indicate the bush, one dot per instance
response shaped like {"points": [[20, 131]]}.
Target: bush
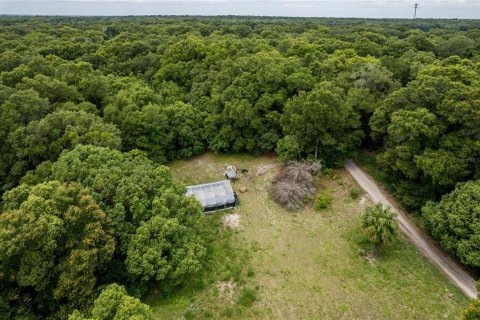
{"points": [[472, 312], [323, 201], [247, 297], [355, 193], [329, 173]]}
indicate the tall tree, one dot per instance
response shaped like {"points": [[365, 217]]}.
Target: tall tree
{"points": [[454, 222], [430, 130], [114, 303], [322, 124], [55, 241], [45, 139], [17, 108], [155, 224]]}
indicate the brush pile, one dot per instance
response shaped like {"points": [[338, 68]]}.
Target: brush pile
{"points": [[293, 186]]}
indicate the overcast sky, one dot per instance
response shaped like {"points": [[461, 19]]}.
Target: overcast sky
{"points": [[463, 9]]}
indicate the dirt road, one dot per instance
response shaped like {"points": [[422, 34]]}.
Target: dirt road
{"points": [[419, 239]]}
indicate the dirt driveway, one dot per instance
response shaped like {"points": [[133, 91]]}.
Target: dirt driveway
{"points": [[419, 239]]}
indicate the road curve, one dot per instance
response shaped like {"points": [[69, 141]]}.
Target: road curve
{"points": [[420, 240]]}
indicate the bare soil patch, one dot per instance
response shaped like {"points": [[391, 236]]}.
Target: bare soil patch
{"points": [[231, 221]]}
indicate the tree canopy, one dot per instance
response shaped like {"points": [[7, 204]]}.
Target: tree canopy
{"points": [[430, 130], [134, 225], [92, 108], [454, 222], [55, 241], [114, 303], [322, 124]]}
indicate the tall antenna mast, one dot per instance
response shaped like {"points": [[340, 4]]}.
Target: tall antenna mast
{"points": [[415, 14]]}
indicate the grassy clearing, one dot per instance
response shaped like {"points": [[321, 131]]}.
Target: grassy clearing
{"points": [[301, 265]]}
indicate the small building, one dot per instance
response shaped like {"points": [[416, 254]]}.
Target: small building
{"points": [[214, 196]]}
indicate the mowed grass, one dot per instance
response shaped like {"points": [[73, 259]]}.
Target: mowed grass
{"points": [[301, 265]]}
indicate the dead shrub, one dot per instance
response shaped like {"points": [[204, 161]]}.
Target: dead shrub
{"points": [[293, 186]]}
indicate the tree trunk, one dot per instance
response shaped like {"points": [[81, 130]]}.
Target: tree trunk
{"points": [[316, 149], [376, 249]]}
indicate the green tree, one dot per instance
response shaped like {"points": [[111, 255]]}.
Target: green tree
{"points": [[55, 241], [420, 41], [156, 225], [45, 139], [380, 226], [17, 108], [36, 65], [114, 303], [322, 123], [9, 60], [408, 134], [163, 248], [429, 130], [144, 124], [187, 133], [54, 90], [454, 222], [472, 312], [458, 45], [288, 148], [248, 100]]}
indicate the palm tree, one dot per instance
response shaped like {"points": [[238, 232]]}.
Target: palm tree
{"points": [[380, 226]]}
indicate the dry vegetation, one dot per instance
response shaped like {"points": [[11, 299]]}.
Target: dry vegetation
{"points": [[293, 186]]}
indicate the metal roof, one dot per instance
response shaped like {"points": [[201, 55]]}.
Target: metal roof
{"points": [[213, 194]]}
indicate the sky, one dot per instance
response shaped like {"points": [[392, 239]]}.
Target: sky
{"points": [[462, 9]]}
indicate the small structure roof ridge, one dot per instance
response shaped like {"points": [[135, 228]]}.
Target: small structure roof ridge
{"points": [[209, 183]]}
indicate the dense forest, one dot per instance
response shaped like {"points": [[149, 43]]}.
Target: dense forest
{"points": [[92, 109]]}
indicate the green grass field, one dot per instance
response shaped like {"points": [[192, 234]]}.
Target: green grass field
{"points": [[301, 265]]}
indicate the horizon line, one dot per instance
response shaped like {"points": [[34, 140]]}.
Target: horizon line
{"points": [[219, 15]]}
